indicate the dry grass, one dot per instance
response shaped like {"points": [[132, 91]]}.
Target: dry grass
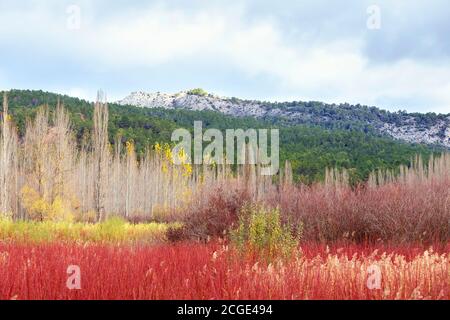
{"points": [[112, 231]]}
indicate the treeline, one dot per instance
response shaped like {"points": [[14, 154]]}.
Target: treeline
{"points": [[345, 115], [345, 144]]}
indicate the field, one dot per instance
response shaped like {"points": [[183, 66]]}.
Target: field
{"points": [[213, 271], [99, 221]]}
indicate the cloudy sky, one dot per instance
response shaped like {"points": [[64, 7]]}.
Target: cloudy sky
{"points": [[393, 54]]}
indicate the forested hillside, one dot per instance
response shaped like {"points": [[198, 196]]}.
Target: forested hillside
{"points": [[429, 128], [310, 148]]}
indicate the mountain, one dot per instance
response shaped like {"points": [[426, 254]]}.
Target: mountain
{"points": [[427, 128]]}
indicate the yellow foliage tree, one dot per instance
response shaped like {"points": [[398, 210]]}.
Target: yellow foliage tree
{"points": [[42, 210]]}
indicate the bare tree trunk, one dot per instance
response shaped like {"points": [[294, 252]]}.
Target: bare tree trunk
{"points": [[101, 155], [8, 147], [64, 153], [131, 166]]}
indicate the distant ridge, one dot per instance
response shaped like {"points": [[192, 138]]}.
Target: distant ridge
{"points": [[427, 128]]}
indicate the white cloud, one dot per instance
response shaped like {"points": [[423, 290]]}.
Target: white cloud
{"points": [[79, 92], [337, 71], [402, 81]]}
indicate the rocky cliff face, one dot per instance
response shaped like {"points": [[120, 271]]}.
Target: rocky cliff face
{"points": [[418, 128]]}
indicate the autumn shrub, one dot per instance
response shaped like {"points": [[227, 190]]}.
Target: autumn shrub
{"points": [[40, 209], [261, 231], [175, 234], [213, 210], [413, 207]]}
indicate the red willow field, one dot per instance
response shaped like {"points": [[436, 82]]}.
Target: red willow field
{"points": [[213, 271]]}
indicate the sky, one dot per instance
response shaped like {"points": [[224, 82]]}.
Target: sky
{"points": [[393, 54]]}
